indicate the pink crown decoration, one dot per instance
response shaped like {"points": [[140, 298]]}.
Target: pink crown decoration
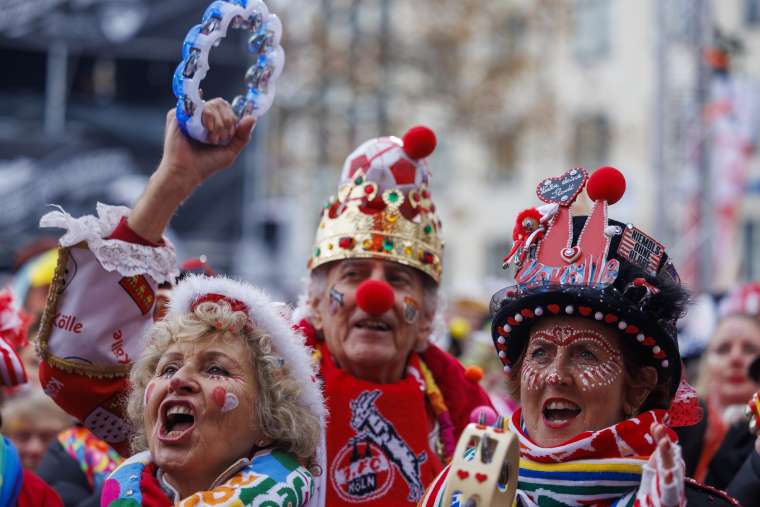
{"points": [[544, 252], [383, 208]]}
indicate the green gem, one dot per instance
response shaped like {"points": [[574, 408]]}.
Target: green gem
{"points": [[358, 180], [393, 197], [388, 245], [428, 229], [317, 251]]}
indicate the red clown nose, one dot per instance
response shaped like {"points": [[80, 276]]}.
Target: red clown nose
{"points": [[375, 297]]}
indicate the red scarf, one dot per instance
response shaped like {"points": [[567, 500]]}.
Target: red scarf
{"points": [[378, 450]]}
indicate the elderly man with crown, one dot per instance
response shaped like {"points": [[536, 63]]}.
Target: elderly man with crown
{"points": [[397, 402], [588, 342]]}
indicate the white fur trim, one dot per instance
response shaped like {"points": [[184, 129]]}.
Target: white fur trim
{"points": [[127, 259], [287, 343]]}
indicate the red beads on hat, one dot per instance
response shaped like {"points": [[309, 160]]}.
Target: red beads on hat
{"points": [[606, 184], [375, 297], [419, 142]]}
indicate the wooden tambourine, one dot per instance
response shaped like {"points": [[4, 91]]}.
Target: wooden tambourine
{"points": [[484, 467]]}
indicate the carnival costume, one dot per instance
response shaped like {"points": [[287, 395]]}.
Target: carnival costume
{"points": [[386, 442], [99, 310], [615, 274]]}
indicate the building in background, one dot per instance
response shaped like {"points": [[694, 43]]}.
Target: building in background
{"points": [[516, 90]]}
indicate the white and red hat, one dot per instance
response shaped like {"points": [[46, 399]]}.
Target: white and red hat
{"points": [[14, 324]]}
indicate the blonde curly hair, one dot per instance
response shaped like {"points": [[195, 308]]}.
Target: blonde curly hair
{"points": [[279, 413]]}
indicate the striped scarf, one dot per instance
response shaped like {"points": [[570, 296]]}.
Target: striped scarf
{"points": [[95, 457], [594, 469]]}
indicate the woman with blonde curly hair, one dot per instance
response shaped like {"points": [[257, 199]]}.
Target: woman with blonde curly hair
{"points": [[217, 402]]}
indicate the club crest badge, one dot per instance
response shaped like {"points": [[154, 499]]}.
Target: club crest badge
{"points": [[368, 464]]}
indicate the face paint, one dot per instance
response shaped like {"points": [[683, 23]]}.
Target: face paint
{"points": [[219, 394], [410, 310], [336, 300], [531, 378], [148, 392], [230, 402], [593, 362], [224, 400]]}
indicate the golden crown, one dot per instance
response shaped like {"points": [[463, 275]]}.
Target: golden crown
{"points": [[383, 208]]}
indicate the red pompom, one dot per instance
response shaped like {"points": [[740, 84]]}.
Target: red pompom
{"points": [[375, 297], [419, 142], [473, 373], [606, 184]]}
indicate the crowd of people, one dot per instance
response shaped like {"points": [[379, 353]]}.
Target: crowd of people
{"points": [[143, 387]]}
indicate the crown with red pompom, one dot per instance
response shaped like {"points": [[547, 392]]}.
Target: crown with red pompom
{"points": [[590, 267], [383, 208]]}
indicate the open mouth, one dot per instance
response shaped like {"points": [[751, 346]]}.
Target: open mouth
{"points": [[558, 412], [177, 420], [373, 325]]}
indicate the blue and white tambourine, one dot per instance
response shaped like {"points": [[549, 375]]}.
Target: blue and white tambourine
{"points": [[264, 44]]}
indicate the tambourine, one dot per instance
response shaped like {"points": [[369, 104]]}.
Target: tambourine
{"points": [[485, 466], [264, 45]]}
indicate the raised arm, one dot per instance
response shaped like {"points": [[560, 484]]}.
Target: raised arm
{"points": [[101, 300]]}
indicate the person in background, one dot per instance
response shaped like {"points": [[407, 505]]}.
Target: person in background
{"points": [[32, 421], [743, 440], [397, 402], [19, 486], [723, 379]]}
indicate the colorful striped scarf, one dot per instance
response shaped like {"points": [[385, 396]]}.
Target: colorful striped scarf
{"points": [[95, 457], [600, 469], [272, 479]]}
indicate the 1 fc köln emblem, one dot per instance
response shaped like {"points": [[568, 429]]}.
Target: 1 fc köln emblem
{"points": [[366, 467]]}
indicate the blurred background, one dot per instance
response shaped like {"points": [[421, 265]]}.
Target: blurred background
{"points": [[515, 89]]}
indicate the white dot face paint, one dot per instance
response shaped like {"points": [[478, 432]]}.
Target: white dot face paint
{"points": [[564, 355], [231, 402]]}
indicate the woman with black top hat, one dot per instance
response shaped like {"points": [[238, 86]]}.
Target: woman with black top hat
{"points": [[587, 339]]}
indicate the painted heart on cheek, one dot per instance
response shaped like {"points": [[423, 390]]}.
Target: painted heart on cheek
{"points": [[224, 400], [230, 402]]}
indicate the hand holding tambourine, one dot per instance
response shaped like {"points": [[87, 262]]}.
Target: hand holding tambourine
{"points": [[485, 466], [264, 45]]}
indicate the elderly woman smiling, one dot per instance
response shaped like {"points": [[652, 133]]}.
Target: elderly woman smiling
{"points": [[587, 339], [218, 399]]}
